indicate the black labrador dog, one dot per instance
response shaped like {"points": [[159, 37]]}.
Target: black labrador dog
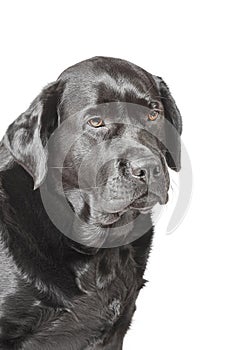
{"points": [[93, 150]]}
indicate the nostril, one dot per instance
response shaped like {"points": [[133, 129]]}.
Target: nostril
{"points": [[138, 172], [157, 170]]}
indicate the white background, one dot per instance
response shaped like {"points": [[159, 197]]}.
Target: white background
{"points": [[188, 303]]}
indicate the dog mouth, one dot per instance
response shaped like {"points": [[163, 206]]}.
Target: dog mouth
{"points": [[145, 202], [139, 206], [123, 209]]}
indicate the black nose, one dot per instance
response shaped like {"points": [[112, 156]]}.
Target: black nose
{"points": [[144, 168]]}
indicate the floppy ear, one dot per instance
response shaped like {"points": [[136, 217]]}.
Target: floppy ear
{"points": [[26, 138], [173, 128]]}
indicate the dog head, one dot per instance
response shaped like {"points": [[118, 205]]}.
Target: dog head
{"points": [[126, 133]]}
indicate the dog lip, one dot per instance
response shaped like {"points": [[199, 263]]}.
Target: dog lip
{"points": [[112, 217], [141, 208], [145, 201], [144, 210]]}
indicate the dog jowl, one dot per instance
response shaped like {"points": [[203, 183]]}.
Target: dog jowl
{"points": [[80, 171]]}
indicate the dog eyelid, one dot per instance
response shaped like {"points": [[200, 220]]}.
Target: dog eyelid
{"points": [[96, 122], [153, 115], [156, 105]]}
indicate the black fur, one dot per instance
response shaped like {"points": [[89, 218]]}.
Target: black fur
{"points": [[57, 293]]}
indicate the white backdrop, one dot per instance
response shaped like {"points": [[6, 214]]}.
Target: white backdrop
{"points": [[188, 303]]}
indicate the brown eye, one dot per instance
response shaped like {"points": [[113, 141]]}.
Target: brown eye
{"points": [[96, 122], [153, 115]]}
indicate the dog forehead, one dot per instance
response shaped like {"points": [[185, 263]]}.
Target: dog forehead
{"points": [[101, 66], [102, 79]]}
